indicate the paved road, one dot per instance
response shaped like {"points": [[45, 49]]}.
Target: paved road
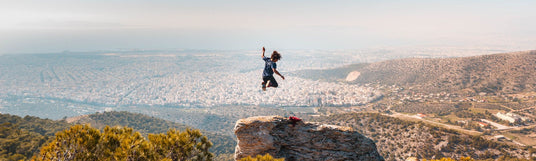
{"points": [[499, 126], [521, 127]]}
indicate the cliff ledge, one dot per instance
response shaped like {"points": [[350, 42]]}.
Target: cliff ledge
{"points": [[281, 138]]}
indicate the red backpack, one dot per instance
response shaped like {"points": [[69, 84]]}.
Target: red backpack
{"points": [[294, 120]]}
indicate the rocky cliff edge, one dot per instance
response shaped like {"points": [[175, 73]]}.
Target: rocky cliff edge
{"points": [[283, 138]]}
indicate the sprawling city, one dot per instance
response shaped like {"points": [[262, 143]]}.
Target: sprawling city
{"points": [[211, 90], [92, 82]]}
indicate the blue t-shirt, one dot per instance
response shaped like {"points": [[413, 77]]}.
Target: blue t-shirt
{"points": [[268, 67]]}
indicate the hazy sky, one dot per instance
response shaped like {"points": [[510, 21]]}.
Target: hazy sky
{"points": [[76, 25]]}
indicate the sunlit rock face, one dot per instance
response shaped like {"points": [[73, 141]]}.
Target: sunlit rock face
{"points": [[283, 138]]}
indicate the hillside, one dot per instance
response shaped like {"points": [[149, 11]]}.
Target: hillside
{"points": [[335, 74], [142, 123], [146, 124], [22, 137], [506, 73], [35, 124], [398, 139]]}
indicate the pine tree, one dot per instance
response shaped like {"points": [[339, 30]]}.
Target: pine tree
{"points": [[176, 145], [82, 142]]}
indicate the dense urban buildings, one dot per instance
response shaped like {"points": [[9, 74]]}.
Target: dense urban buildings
{"points": [[90, 82]]}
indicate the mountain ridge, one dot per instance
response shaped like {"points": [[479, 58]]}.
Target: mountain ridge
{"points": [[507, 72], [495, 73]]}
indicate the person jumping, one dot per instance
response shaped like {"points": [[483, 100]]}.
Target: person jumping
{"points": [[270, 67]]}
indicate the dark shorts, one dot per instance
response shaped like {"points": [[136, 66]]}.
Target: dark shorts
{"points": [[273, 83]]}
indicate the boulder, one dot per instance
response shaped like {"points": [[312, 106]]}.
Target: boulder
{"points": [[283, 138]]}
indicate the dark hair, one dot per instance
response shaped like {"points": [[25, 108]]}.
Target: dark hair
{"points": [[276, 56]]}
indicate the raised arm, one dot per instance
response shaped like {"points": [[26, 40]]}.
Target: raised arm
{"points": [[263, 51]]}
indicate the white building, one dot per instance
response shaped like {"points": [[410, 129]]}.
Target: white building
{"points": [[511, 117]]}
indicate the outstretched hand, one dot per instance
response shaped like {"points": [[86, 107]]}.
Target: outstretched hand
{"points": [[263, 49], [283, 77]]}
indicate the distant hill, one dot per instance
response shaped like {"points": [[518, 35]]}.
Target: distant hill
{"points": [[35, 124], [506, 73], [139, 122], [335, 74]]}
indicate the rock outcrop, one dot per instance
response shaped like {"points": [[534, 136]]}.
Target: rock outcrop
{"points": [[281, 138]]}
